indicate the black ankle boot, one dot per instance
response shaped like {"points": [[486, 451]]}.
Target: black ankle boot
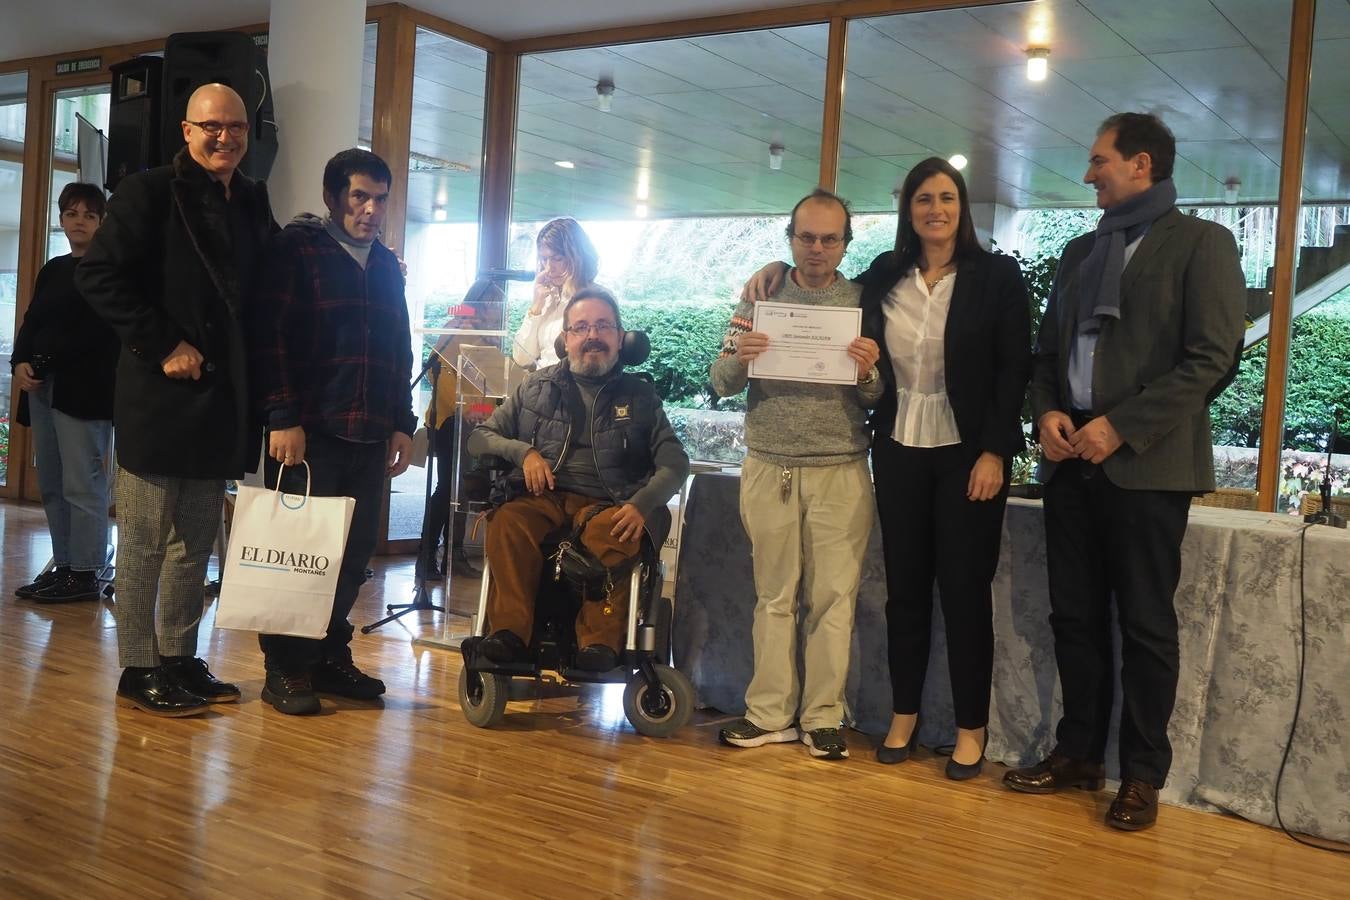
{"points": [[291, 693], [68, 588], [156, 691], [460, 566]]}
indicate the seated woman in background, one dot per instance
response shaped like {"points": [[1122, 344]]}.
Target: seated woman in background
{"points": [[567, 263], [473, 484], [954, 326], [65, 363]]}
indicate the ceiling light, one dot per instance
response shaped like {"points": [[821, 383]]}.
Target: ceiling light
{"points": [[604, 93], [1038, 63], [439, 213], [1230, 190], [644, 184], [776, 156], [958, 162], [564, 164], [640, 210]]}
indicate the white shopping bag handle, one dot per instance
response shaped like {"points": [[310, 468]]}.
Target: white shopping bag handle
{"points": [[308, 476]]}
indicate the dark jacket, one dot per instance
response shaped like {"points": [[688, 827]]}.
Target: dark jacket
{"points": [[637, 455], [986, 352], [77, 350], [164, 267], [1182, 303], [330, 341]]}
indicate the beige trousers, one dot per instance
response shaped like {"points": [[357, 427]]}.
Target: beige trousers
{"points": [[812, 537]]}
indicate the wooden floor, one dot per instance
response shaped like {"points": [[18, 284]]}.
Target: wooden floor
{"points": [[563, 800]]}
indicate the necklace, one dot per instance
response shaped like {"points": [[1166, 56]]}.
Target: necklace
{"points": [[942, 273]]}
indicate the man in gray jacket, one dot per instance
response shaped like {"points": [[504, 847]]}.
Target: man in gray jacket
{"points": [[1138, 335], [582, 433], [806, 498]]}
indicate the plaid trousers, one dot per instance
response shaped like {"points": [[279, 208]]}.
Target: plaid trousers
{"points": [[166, 527]]}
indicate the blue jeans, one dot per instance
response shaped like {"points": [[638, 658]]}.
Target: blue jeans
{"points": [[72, 460]]}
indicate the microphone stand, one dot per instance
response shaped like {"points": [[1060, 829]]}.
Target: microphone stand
{"points": [[421, 598], [1327, 515]]}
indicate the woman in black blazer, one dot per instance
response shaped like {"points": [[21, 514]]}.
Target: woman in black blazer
{"points": [[955, 328]]}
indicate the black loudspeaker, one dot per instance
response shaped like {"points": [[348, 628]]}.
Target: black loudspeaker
{"points": [[134, 117], [192, 59]]}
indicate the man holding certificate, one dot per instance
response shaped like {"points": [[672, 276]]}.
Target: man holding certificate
{"points": [[805, 489]]}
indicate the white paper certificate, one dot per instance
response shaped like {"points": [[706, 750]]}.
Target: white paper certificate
{"points": [[807, 343]]}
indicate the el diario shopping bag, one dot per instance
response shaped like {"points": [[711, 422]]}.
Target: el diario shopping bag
{"points": [[282, 563]]}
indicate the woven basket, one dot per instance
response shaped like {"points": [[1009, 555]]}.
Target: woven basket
{"points": [[1312, 503], [1228, 498]]}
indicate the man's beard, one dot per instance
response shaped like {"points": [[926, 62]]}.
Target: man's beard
{"points": [[593, 367]]}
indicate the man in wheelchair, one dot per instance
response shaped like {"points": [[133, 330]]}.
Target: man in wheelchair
{"points": [[592, 449]]}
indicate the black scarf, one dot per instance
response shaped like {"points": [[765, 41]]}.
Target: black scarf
{"points": [[1121, 225]]}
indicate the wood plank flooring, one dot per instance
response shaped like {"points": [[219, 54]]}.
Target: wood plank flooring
{"points": [[407, 800]]}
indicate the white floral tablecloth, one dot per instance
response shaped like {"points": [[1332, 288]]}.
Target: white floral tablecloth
{"points": [[1245, 582]]}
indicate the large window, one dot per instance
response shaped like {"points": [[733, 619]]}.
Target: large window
{"points": [[1319, 357], [13, 118], [680, 159], [90, 104], [957, 84], [445, 170]]}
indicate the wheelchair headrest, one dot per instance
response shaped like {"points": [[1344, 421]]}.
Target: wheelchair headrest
{"points": [[633, 349]]}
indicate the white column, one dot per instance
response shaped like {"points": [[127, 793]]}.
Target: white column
{"points": [[314, 59]]}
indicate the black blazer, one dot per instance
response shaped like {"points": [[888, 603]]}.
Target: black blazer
{"points": [[80, 348], [987, 349], [164, 267]]}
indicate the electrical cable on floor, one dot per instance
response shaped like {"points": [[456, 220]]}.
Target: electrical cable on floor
{"points": [[1298, 698]]}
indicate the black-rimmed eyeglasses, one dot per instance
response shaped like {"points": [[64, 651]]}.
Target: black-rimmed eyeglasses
{"points": [[214, 128]]}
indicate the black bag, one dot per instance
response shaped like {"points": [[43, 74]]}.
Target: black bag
{"points": [[580, 567]]}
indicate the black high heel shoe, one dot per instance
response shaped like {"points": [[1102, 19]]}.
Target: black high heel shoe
{"points": [[889, 756], [965, 771]]}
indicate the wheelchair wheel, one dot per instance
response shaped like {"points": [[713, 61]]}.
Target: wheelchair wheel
{"points": [[659, 713], [483, 696]]}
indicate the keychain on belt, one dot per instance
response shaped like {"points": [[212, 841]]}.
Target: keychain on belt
{"points": [[785, 484]]}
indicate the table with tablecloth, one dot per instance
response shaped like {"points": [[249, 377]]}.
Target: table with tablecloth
{"points": [[1252, 585]]}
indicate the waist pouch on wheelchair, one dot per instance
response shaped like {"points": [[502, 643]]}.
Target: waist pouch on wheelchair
{"points": [[578, 565]]}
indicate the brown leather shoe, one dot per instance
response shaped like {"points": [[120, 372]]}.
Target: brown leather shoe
{"points": [[1055, 773], [1135, 806]]}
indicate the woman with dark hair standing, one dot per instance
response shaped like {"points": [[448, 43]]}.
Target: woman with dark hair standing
{"points": [[567, 262], [65, 362], [955, 330], [956, 326]]}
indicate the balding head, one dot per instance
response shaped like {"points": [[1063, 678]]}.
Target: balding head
{"points": [[216, 108]]}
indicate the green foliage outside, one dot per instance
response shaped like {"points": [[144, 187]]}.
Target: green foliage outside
{"points": [[680, 287]]}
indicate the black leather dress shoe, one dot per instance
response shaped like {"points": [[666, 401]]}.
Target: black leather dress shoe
{"points": [[597, 658], [194, 677], [157, 692], [503, 647], [1055, 773], [1135, 806]]}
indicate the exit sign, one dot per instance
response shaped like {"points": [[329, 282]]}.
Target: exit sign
{"points": [[83, 64]]}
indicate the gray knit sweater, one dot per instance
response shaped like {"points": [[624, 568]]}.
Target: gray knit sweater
{"points": [[794, 423]]}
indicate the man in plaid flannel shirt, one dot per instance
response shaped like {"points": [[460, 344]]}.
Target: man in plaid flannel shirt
{"points": [[332, 358]]}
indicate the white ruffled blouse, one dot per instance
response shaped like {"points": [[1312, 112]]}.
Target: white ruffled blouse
{"points": [[916, 324]]}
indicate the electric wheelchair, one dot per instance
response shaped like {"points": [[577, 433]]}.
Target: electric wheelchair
{"points": [[657, 699]]}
